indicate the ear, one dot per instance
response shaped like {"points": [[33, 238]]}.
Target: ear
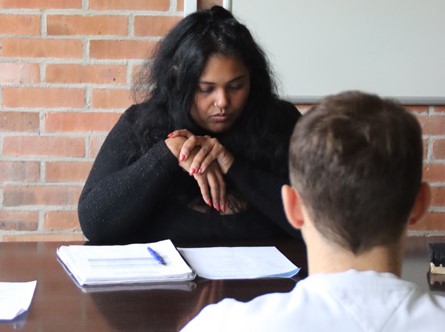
{"points": [[292, 206], [421, 203]]}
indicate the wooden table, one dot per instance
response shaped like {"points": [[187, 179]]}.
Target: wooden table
{"points": [[59, 305]]}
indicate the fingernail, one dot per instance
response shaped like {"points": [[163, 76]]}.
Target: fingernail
{"points": [[200, 170], [182, 157], [217, 207], [208, 202], [223, 208], [192, 171], [171, 135]]}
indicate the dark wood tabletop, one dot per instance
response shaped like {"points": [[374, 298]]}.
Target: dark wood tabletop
{"points": [[60, 305]]}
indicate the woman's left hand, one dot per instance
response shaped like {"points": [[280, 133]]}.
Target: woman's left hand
{"points": [[210, 149]]}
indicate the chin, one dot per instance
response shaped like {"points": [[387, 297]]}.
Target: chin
{"points": [[219, 129]]}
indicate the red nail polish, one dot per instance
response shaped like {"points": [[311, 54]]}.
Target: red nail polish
{"points": [[182, 157], [171, 135], [200, 170], [192, 171], [217, 207]]}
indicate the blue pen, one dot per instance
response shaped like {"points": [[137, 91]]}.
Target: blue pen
{"points": [[156, 256]]}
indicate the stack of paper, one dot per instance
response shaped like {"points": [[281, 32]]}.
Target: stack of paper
{"points": [[239, 262], [126, 264]]}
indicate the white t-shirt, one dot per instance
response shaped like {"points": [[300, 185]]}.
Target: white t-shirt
{"points": [[347, 301]]}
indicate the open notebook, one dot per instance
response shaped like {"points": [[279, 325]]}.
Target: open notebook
{"points": [[162, 262]]}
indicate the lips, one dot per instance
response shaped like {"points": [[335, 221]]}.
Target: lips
{"points": [[220, 117]]}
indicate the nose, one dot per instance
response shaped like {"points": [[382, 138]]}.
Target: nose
{"points": [[222, 99]]}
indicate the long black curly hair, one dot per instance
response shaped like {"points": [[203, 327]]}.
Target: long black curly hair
{"points": [[167, 85]]}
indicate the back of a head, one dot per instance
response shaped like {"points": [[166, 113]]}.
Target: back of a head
{"points": [[356, 160]]}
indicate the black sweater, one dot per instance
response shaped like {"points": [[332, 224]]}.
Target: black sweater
{"points": [[147, 198]]}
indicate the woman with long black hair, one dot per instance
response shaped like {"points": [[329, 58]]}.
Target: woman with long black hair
{"points": [[203, 155]]}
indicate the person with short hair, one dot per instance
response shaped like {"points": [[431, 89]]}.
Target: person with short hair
{"points": [[355, 165]]}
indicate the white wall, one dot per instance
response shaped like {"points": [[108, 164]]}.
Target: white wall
{"points": [[394, 48]]}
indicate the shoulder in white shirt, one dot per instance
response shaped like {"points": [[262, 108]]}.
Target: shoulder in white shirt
{"points": [[347, 301]]}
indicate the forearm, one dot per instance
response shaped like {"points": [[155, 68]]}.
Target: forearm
{"points": [[116, 204]]}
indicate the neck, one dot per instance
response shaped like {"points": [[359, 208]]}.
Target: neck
{"points": [[325, 257]]}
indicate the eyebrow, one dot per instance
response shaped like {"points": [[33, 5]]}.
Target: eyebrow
{"points": [[231, 81]]}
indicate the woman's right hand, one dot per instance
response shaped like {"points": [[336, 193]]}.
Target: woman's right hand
{"points": [[211, 181]]}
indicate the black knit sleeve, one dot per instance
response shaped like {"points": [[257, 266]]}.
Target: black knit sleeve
{"points": [[261, 187], [263, 191], [122, 190]]}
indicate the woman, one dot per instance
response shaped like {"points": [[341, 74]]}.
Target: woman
{"points": [[204, 156]]}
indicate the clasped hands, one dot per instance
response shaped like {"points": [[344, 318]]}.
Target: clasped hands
{"points": [[207, 160]]}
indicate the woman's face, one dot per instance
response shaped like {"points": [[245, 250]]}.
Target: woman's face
{"points": [[221, 94]]}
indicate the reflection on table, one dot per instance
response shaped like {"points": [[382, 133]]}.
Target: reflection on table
{"points": [[60, 305]]}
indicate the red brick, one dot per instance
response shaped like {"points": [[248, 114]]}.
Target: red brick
{"points": [[425, 148], [19, 121], [61, 220], [432, 124], [56, 237], [439, 149], [121, 49], [41, 4], [130, 4], [95, 145], [434, 172], [42, 48], [111, 98], [180, 5], [136, 71], [22, 171], [75, 73], [19, 24], [19, 72], [437, 196], [431, 221], [80, 121], [19, 220], [87, 25], [67, 171], [44, 97], [154, 25], [40, 195], [55, 146], [439, 108]]}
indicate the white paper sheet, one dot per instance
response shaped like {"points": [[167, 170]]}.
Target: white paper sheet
{"points": [[239, 262], [15, 298]]}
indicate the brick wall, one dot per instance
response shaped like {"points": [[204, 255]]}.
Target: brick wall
{"points": [[66, 67]]}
